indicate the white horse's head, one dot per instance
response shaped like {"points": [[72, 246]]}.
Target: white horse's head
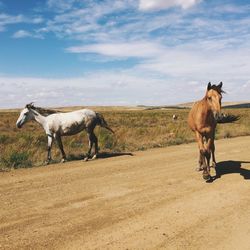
{"points": [[27, 114]]}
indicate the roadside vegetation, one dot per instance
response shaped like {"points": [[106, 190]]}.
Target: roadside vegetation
{"points": [[134, 130]]}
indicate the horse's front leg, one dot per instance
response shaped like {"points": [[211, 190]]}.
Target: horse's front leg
{"points": [[60, 145], [50, 142], [200, 162], [208, 149], [203, 156]]}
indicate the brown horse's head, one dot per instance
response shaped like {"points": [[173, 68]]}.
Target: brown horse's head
{"points": [[213, 97]]}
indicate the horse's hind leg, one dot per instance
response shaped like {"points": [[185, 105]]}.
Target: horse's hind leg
{"points": [[208, 150], [213, 155], [92, 140], [95, 141], [60, 145], [50, 142], [90, 146]]}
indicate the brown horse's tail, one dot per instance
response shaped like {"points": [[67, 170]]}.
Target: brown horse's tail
{"points": [[101, 121], [227, 118]]}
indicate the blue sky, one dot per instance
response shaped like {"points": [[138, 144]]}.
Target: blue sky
{"points": [[122, 52]]}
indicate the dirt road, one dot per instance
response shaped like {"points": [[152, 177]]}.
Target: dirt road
{"points": [[152, 200]]}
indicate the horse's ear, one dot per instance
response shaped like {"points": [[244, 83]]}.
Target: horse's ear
{"points": [[209, 86], [220, 85], [30, 105]]}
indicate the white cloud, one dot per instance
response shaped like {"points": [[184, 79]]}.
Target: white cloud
{"points": [[60, 5], [99, 88], [147, 5], [36, 20], [25, 34], [195, 63], [8, 19], [232, 8], [170, 76], [133, 49], [21, 34], [84, 22]]}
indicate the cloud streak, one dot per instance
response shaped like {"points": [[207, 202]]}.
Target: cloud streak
{"points": [[149, 5], [120, 50], [25, 34]]}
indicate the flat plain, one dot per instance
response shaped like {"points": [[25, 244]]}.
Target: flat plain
{"points": [[136, 128]]}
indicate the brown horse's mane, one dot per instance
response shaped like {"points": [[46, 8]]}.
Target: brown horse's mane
{"points": [[40, 110], [217, 88]]}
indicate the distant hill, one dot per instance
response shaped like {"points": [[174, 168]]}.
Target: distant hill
{"points": [[187, 105], [224, 105], [237, 105]]}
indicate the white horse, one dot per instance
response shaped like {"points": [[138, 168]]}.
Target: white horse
{"points": [[174, 117], [57, 124]]}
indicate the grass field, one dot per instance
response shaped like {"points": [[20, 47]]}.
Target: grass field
{"points": [[135, 129]]}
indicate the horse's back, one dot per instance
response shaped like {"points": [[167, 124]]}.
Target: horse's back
{"points": [[87, 112], [73, 115], [71, 122]]}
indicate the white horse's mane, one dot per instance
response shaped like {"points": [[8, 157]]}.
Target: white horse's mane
{"points": [[40, 110]]}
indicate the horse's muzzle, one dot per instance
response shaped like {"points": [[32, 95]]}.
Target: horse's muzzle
{"points": [[18, 125], [216, 115]]}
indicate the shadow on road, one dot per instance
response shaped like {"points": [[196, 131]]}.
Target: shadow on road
{"points": [[101, 155], [110, 154], [231, 167]]}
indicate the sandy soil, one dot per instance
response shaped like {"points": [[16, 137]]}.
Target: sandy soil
{"points": [[152, 200]]}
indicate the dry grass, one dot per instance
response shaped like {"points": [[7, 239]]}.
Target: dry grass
{"points": [[135, 130]]}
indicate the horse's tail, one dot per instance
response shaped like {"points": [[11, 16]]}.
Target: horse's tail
{"points": [[227, 118], [101, 121]]}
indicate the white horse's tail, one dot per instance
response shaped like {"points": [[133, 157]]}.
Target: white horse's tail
{"points": [[101, 121]]}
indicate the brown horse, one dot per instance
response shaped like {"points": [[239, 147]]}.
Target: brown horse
{"points": [[202, 119]]}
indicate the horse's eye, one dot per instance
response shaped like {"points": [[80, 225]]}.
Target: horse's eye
{"points": [[209, 98]]}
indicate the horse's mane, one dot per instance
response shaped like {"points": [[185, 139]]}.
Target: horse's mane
{"points": [[40, 110], [217, 88]]}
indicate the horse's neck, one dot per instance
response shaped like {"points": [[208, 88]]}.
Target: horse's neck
{"points": [[40, 119], [205, 105], [206, 110]]}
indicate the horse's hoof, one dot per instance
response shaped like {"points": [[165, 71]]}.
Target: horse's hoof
{"points": [[46, 162], [199, 169], [94, 157], [86, 159], [63, 160], [206, 176]]}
